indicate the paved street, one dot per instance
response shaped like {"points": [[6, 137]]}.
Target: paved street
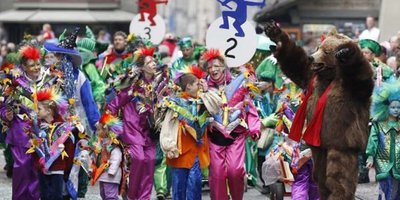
{"points": [[364, 191]]}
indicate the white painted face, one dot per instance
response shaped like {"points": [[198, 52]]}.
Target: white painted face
{"points": [[216, 69], [394, 108], [150, 65]]}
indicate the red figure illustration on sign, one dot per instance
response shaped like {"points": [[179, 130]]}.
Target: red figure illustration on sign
{"points": [[150, 7]]}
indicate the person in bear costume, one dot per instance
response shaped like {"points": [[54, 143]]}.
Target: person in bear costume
{"points": [[333, 118]]}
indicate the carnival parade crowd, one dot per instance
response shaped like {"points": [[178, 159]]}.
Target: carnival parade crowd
{"points": [[137, 117]]}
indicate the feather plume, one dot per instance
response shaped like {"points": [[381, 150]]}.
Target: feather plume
{"points": [[7, 67], [388, 92], [113, 123]]}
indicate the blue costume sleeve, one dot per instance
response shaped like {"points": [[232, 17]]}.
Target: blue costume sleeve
{"points": [[92, 112]]}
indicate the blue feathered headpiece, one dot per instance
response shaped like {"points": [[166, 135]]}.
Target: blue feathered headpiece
{"points": [[383, 95]]}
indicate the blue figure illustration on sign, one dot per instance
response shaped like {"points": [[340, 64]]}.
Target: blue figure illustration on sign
{"points": [[150, 7], [239, 15]]}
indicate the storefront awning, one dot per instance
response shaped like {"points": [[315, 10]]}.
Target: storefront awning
{"points": [[65, 16], [274, 9]]}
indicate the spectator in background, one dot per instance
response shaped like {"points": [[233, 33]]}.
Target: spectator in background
{"points": [[170, 42], [310, 45], [3, 33], [47, 33], [11, 47], [371, 32], [3, 53], [391, 62], [383, 56], [394, 45], [118, 52], [6, 48], [398, 59], [103, 37]]}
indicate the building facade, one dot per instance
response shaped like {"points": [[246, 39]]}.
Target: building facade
{"points": [[20, 16], [304, 16]]}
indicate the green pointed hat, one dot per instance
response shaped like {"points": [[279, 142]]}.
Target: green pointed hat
{"points": [[86, 46], [89, 33], [269, 70], [62, 36], [87, 42]]}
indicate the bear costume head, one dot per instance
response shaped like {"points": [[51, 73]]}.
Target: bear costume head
{"points": [[324, 62]]}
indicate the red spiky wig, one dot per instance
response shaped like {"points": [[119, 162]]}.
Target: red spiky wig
{"points": [[45, 94], [50, 94], [211, 55], [196, 71], [144, 52], [30, 52]]}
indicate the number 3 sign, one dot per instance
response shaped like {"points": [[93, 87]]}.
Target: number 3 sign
{"points": [[154, 33], [147, 24]]}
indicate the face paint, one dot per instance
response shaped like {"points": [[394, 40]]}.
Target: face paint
{"points": [[149, 65], [394, 108], [216, 69]]}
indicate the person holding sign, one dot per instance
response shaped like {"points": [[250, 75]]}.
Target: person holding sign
{"points": [[237, 119]]}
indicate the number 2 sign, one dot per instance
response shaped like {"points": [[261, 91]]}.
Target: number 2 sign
{"points": [[232, 34], [237, 50]]}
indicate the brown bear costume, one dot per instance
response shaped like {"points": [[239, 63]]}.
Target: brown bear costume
{"points": [[339, 65]]}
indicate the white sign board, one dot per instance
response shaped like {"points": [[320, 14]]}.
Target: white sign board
{"points": [[236, 50], [143, 28]]}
